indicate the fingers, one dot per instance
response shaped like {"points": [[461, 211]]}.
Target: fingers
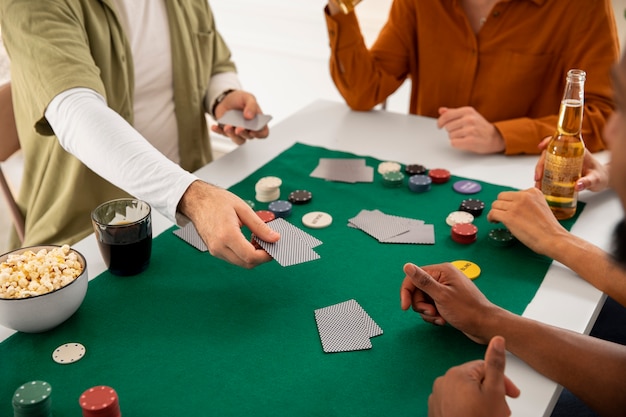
{"points": [[422, 280], [495, 360]]}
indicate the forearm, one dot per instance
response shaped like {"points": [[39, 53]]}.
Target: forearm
{"points": [[112, 148], [357, 74], [591, 263], [591, 368]]}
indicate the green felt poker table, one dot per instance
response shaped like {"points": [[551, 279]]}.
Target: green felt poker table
{"points": [[195, 335]]}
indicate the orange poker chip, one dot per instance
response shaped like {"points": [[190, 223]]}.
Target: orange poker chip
{"points": [[439, 175], [265, 215]]}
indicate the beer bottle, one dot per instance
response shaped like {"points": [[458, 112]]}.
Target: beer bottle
{"points": [[564, 154]]}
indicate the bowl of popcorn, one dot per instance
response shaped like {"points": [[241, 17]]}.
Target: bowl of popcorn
{"points": [[41, 287]]}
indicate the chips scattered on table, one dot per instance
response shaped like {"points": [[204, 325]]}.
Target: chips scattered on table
{"points": [[68, 353]]}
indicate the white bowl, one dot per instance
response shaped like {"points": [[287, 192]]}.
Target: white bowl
{"points": [[43, 312]]}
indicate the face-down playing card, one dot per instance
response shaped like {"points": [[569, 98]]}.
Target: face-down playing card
{"points": [[294, 246], [345, 327]]}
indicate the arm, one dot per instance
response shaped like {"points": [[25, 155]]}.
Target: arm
{"points": [[527, 215], [113, 149], [365, 77], [591, 368]]}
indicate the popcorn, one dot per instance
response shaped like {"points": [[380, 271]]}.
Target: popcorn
{"points": [[29, 274]]}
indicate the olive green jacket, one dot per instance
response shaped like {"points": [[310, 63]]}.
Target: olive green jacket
{"points": [[55, 45]]}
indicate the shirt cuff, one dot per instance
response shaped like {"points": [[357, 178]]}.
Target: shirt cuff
{"points": [[217, 85]]}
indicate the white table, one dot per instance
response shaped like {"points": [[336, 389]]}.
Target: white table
{"points": [[563, 299]]}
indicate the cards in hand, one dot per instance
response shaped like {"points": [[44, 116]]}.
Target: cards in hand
{"points": [[345, 327], [235, 118], [295, 246]]}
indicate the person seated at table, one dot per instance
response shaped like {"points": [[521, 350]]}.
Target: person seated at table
{"points": [[592, 369], [111, 99], [492, 72]]}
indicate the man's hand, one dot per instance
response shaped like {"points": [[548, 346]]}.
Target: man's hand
{"points": [[468, 130], [475, 388], [528, 217], [218, 215], [441, 293], [246, 102]]}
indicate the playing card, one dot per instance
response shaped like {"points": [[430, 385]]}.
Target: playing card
{"points": [[189, 234], [293, 247], [235, 118], [345, 327]]}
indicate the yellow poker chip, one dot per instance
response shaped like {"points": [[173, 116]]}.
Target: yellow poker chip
{"points": [[470, 269]]}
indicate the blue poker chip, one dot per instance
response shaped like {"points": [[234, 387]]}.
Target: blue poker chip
{"points": [[420, 183], [280, 208], [467, 187]]}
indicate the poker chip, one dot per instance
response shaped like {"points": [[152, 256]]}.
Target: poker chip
{"points": [[501, 237], [250, 203], [466, 187], [464, 233], [414, 169], [280, 208], [100, 401], [33, 399], [268, 189], [439, 175], [388, 166], [472, 206], [458, 217], [300, 197], [265, 215], [393, 178], [419, 183], [470, 269], [317, 220], [68, 353]]}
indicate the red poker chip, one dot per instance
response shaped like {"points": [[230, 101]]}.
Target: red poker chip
{"points": [[266, 215], [439, 175], [464, 233], [100, 401]]}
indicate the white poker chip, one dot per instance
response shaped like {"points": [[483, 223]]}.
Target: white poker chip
{"points": [[388, 166], [458, 217], [268, 184], [68, 353], [317, 220]]}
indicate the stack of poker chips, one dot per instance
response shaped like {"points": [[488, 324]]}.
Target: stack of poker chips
{"points": [[464, 233], [100, 401], [33, 400], [268, 189], [280, 208], [472, 206], [419, 183]]}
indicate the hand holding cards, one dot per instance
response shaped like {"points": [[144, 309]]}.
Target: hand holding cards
{"points": [[235, 118]]}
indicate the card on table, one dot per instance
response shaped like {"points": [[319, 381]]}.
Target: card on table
{"points": [[189, 234], [235, 118], [345, 327]]}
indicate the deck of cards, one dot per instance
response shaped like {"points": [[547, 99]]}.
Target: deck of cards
{"points": [[393, 229], [345, 327], [295, 246], [349, 170]]}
